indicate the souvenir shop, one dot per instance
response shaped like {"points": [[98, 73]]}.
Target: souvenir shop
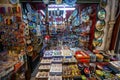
{"points": [[59, 39]]}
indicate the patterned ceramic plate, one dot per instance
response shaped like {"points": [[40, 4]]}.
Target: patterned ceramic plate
{"points": [[97, 42], [73, 15], [28, 41], [29, 7], [46, 1], [103, 3], [58, 1], [70, 2], [85, 18], [100, 25], [13, 1], [101, 14], [99, 34], [76, 21], [30, 48]]}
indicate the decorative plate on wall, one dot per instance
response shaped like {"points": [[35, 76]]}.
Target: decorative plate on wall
{"points": [[46, 1], [13, 1], [28, 7], [70, 2], [101, 14], [98, 34], [100, 24], [103, 3], [76, 21], [73, 15], [30, 48], [58, 1], [85, 18], [97, 42]]}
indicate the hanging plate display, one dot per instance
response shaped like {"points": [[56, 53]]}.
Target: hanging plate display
{"points": [[34, 18], [85, 18], [101, 14], [24, 17], [34, 31], [28, 7], [76, 21], [99, 34], [29, 16], [46, 1], [13, 1], [70, 2], [30, 48], [30, 25], [25, 21], [58, 1], [73, 15], [97, 42], [100, 25], [103, 3], [28, 41]]}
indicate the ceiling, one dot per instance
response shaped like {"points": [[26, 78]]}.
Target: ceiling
{"points": [[53, 1]]}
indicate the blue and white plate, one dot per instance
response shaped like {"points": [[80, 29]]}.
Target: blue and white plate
{"points": [[73, 15], [70, 2], [13, 1], [29, 7], [46, 1], [76, 21]]}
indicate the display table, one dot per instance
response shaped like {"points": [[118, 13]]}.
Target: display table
{"points": [[68, 66]]}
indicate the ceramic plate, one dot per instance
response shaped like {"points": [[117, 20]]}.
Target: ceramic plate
{"points": [[73, 15], [28, 41], [13, 1], [29, 16], [34, 31], [76, 21], [101, 14], [97, 42], [24, 16], [25, 21], [70, 2], [98, 34], [100, 24], [29, 7], [46, 1], [30, 48], [103, 3], [85, 18], [58, 1]]}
